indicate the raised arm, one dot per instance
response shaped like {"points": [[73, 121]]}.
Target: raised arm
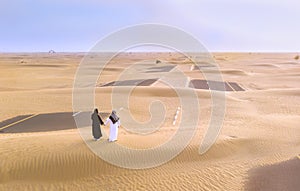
{"points": [[101, 122], [107, 120]]}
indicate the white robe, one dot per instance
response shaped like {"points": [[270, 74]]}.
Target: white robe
{"points": [[113, 129]]}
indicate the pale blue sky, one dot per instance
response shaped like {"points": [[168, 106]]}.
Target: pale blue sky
{"points": [[221, 25]]}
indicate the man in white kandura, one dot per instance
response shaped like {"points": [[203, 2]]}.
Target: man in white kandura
{"points": [[114, 123]]}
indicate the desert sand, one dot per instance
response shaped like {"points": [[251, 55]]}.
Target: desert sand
{"points": [[257, 148]]}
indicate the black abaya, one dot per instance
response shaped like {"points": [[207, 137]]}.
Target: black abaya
{"points": [[96, 125]]}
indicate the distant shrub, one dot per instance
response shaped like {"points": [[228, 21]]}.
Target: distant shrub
{"points": [[296, 57]]}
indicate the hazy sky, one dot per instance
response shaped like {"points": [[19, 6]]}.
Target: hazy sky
{"points": [[221, 25]]}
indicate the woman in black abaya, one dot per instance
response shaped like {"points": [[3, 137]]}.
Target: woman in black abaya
{"points": [[96, 125]]}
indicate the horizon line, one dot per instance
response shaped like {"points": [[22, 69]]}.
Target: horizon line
{"points": [[85, 52]]}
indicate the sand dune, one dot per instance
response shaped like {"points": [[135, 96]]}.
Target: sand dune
{"points": [[266, 65], [234, 72], [280, 176], [256, 148]]}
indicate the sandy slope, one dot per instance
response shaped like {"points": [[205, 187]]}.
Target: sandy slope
{"points": [[256, 149]]}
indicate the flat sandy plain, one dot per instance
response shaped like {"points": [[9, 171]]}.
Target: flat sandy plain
{"points": [[257, 149]]}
